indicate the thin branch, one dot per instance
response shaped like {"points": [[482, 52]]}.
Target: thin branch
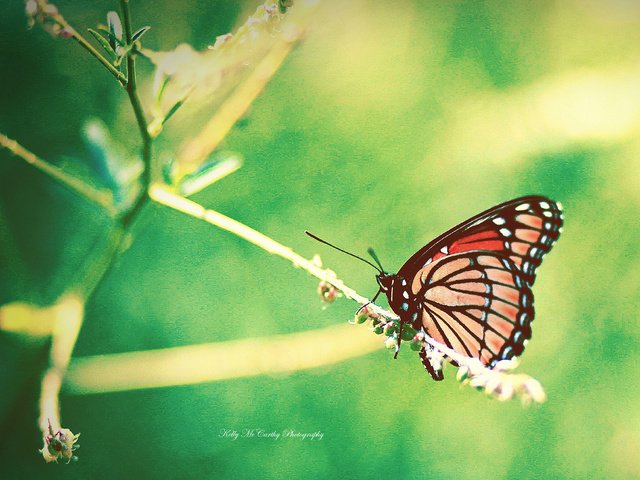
{"points": [[210, 362], [165, 197], [53, 21], [67, 316], [132, 92], [103, 198], [91, 49], [497, 382]]}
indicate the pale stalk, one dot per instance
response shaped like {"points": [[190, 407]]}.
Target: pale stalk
{"points": [[99, 197], [211, 362], [170, 199], [67, 317], [184, 205]]}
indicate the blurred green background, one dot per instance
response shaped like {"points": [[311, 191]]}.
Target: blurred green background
{"points": [[389, 123]]}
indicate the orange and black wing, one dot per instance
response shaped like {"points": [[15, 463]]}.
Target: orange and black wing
{"points": [[523, 229], [474, 281], [477, 303]]}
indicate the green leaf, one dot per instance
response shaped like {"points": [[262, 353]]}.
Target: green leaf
{"points": [[175, 107], [284, 5], [103, 43], [161, 90], [111, 36], [117, 168], [115, 29], [139, 33], [214, 169]]}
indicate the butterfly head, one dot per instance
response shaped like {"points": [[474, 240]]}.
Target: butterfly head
{"points": [[385, 280]]}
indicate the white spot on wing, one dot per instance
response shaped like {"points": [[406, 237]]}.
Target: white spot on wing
{"points": [[405, 294], [547, 213], [559, 205], [499, 221], [506, 232], [524, 206], [545, 205], [445, 250]]}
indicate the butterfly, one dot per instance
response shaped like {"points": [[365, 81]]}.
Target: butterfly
{"points": [[470, 288]]}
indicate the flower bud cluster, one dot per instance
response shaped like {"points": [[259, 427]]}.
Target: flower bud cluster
{"points": [[47, 15], [328, 292], [498, 381], [60, 444]]}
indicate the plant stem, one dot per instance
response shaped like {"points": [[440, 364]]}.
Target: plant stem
{"points": [[68, 326], [132, 92], [73, 33], [67, 314], [190, 207], [91, 49], [528, 387], [99, 197], [218, 361]]}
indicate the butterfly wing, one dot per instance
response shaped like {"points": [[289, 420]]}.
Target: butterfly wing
{"points": [[474, 281], [523, 229], [477, 303]]}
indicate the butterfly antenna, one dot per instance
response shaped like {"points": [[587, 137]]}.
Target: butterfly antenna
{"points": [[341, 250], [375, 258]]}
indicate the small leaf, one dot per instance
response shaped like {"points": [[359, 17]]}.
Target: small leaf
{"points": [[175, 107], [211, 171], [284, 5], [139, 33], [115, 28], [111, 36], [103, 43], [118, 169], [160, 92]]}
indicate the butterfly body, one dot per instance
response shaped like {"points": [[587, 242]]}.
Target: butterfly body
{"points": [[470, 288], [400, 297]]}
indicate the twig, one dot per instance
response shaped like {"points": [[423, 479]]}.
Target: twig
{"points": [[90, 48], [132, 92], [496, 382], [67, 317], [103, 198], [212, 362], [46, 12], [165, 197]]}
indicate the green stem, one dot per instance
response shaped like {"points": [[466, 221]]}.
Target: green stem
{"points": [[99, 197], [97, 270], [62, 22], [98, 56], [132, 92]]}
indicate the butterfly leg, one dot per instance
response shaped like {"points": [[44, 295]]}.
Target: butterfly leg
{"points": [[369, 302], [436, 373], [399, 340]]}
